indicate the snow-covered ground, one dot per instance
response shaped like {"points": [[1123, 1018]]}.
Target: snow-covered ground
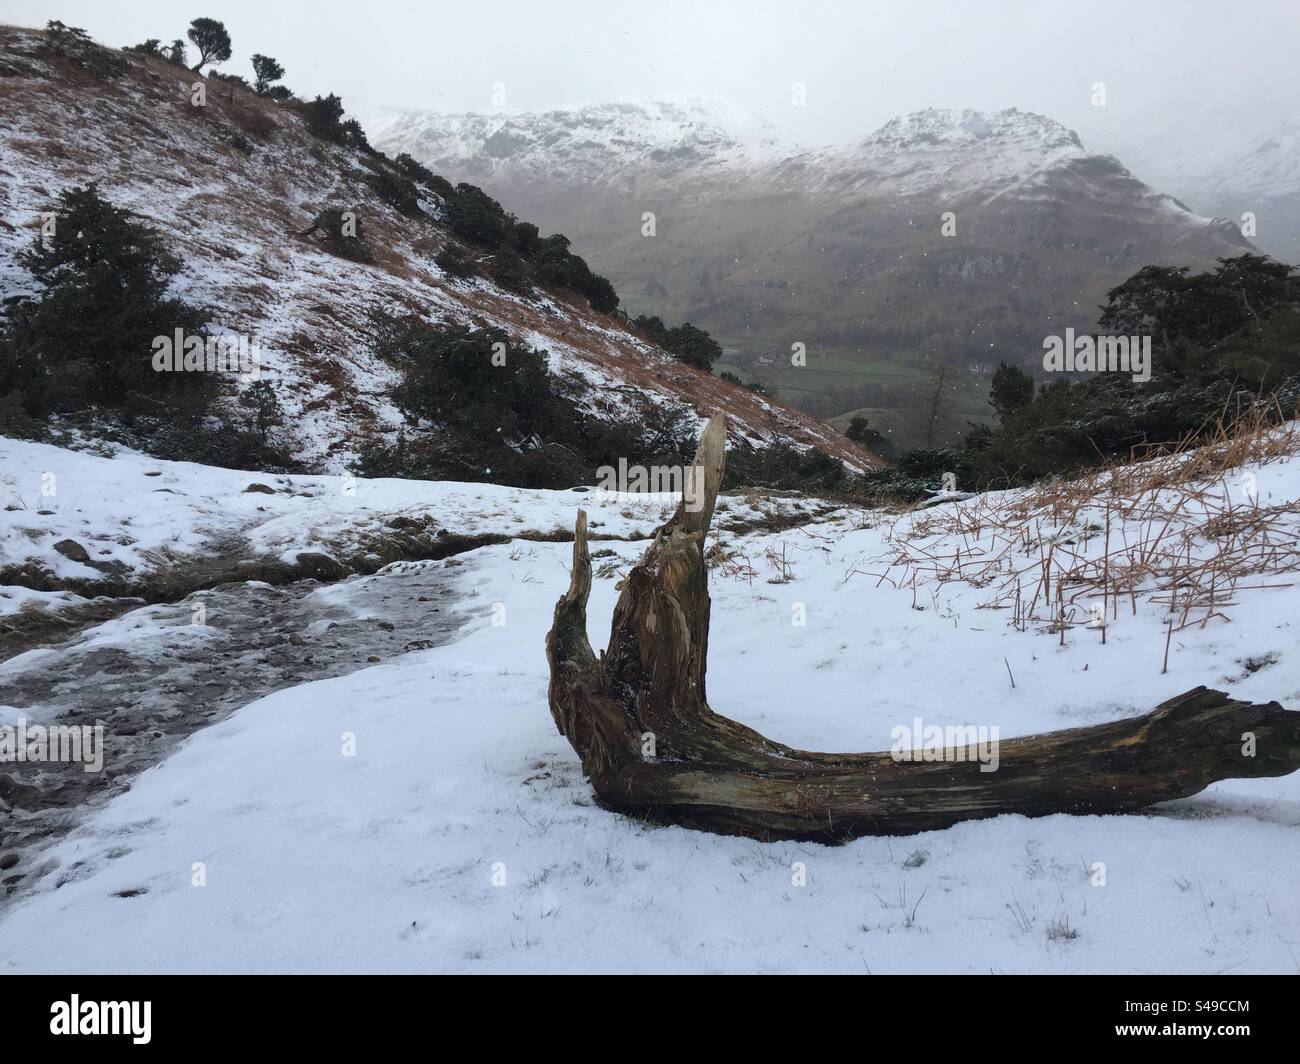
{"points": [[424, 815], [145, 514]]}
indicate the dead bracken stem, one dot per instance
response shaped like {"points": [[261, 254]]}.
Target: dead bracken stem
{"points": [[1178, 528]]}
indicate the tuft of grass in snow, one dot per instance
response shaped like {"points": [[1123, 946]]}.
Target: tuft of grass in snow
{"points": [[1059, 930]]}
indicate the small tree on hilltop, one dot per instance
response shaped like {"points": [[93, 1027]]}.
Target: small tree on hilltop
{"points": [[212, 41], [265, 71], [151, 47], [65, 39], [324, 118], [74, 44]]}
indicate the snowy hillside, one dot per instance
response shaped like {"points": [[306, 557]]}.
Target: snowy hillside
{"points": [[422, 814], [237, 218]]}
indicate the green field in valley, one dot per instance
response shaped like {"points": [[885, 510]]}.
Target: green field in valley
{"points": [[830, 386]]}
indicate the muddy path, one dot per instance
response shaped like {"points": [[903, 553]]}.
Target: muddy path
{"points": [[158, 672]]}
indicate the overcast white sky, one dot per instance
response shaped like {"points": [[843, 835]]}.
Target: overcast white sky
{"points": [[863, 62]]}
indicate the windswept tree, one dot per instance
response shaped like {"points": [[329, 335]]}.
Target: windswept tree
{"points": [[211, 39], [150, 47], [63, 38], [267, 70], [74, 44]]}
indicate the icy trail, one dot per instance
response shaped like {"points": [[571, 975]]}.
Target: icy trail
{"points": [[157, 674]]}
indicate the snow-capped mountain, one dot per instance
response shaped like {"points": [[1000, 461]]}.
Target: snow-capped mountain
{"points": [[936, 152], [949, 233], [604, 144]]}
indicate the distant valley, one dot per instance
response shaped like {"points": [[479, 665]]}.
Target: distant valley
{"points": [[944, 239]]}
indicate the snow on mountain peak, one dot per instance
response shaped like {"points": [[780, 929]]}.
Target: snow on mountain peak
{"points": [[935, 127], [628, 143], [597, 141]]}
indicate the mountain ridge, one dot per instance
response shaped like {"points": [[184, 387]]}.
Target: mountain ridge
{"points": [[943, 237], [682, 134]]}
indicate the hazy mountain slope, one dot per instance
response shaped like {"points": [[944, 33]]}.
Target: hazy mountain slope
{"points": [[235, 218], [768, 244], [1251, 163]]}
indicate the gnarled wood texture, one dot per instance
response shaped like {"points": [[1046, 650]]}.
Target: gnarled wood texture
{"points": [[638, 717]]}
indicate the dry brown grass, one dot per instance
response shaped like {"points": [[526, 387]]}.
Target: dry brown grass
{"points": [[1180, 528], [728, 560]]}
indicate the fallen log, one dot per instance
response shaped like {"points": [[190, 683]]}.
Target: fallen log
{"points": [[639, 720]]}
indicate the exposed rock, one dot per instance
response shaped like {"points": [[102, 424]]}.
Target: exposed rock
{"points": [[72, 550], [320, 567], [18, 794]]}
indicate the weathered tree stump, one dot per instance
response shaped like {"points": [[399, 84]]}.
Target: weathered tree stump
{"points": [[638, 718]]}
